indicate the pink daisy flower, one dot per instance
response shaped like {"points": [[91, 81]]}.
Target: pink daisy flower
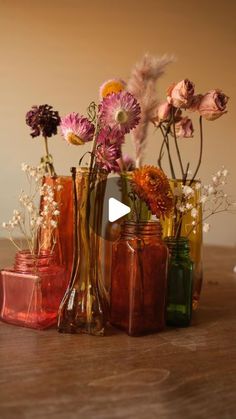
{"points": [[120, 111], [76, 129], [108, 151], [108, 135]]}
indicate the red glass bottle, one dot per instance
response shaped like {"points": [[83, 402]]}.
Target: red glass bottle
{"points": [[139, 278], [32, 290]]}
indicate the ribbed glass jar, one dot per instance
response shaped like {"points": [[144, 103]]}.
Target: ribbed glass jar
{"points": [[32, 290], [179, 282], [138, 279]]}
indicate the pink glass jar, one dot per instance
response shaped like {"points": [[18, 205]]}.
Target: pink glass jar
{"points": [[32, 290]]}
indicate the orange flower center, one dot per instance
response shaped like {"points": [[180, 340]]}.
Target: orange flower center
{"points": [[74, 139]]}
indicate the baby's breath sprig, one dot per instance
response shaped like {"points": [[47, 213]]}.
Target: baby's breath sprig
{"points": [[31, 217], [212, 198]]}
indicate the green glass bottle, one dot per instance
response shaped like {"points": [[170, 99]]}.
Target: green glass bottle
{"points": [[179, 283]]}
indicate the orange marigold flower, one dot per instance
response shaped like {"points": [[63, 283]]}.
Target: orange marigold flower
{"points": [[111, 86], [161, 206], [152, 186]]}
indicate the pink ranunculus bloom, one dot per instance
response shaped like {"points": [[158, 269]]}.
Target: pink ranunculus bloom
{"points": [[180, 94], [76, 129], [184, 128], [213, 104], [162, 113]]}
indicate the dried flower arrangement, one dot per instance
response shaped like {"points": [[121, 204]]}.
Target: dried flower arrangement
{"points": [[106, 125], [174, 126]]}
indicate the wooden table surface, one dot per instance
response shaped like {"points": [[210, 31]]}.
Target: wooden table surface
{"points": [[180, 373]]}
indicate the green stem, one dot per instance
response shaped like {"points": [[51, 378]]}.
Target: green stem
{"points": [[49, 166]]}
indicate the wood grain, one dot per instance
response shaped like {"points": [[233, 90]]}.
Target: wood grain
{"points": [[180, 373]]}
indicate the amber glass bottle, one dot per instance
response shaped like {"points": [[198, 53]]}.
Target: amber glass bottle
{"points": [[84, 308], [138, 279]]}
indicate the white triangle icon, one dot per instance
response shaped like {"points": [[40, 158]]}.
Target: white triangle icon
{"points": [[116, 209]]}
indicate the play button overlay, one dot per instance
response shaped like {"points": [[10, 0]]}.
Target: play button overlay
{"points": [[116, 210], [114, 206]]}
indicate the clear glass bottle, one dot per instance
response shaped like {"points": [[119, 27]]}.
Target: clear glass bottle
{"points": [[32, 290], [179, 283], [84, 308], [138, 279]]}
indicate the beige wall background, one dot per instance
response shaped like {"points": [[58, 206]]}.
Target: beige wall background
{"points": [[59, 52]]}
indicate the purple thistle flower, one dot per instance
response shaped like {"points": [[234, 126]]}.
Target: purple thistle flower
{"points": [[76, 129], [120, 111], [43, 120]]}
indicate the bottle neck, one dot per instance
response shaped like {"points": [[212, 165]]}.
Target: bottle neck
{"points": [[142, 229], [25, 262], [179, 247]]}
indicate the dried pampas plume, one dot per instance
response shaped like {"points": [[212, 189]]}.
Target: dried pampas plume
{"points": [[142, 84]]}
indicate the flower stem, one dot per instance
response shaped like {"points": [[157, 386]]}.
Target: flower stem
{"points": [[49, 164], [200, 154], [161, 154], [166, 140], [176, 144], [186, 174]]}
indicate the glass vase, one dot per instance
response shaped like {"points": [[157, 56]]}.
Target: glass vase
{"points": [[63, 248], [179, 283], [195, 238], [138, 280], [32, 290], [84, 308], [113, 229]]}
